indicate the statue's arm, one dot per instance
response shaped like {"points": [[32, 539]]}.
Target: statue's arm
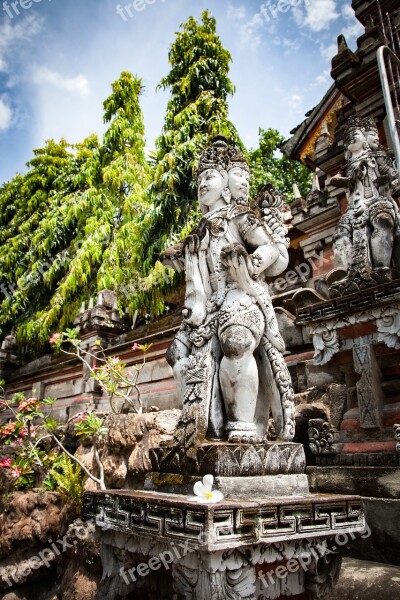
{"points": [[270, 256]]}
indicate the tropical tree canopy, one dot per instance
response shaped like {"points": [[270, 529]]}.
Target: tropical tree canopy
{"points": [[268, 165], [197, 111], [69, 225]]}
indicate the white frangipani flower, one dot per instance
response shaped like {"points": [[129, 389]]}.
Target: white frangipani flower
{"points": [[204, 492]]}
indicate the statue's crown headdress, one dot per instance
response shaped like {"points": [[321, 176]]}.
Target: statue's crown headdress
{"points": [[369, 124], [354, 123], [221, 156]]}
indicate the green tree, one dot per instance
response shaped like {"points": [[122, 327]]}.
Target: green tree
{"points": [[84, 239], [197, 111], [267, 166]]}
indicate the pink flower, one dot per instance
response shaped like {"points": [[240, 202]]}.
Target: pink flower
{"points": [[16, 472], [5, 463], [81, 417], [135, 347], [23, 433], [55, 338], [27, 405], [7, 430]]}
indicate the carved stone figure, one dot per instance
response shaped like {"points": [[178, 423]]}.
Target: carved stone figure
{"points": [[227, 356], [368, 237]]}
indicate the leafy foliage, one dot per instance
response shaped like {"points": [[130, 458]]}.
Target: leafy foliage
{"points": [[68, 227], [196, 112], [282, 173], [66, 477]]}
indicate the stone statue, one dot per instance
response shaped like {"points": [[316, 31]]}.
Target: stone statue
{"points": [[368, 236], [227, 356]]}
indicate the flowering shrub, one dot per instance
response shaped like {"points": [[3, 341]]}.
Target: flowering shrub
{"points": [[24, 439], [110, 372]]}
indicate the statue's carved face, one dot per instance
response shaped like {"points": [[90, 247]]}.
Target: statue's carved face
{"points": [[210, 185], [239, 182], [356, 141], [372, 137]]}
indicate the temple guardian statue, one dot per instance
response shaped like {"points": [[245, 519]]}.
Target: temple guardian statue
{"points": [[228, 354], [368, 237]]}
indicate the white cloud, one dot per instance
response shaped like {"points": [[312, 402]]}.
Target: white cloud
{"points": [[13, 33], [236, 13], [76, 85], [317, 15], [295, 101], [5, 115], [328, 52], [348, 12], [249, 32], [353, 30], [323, 78]]}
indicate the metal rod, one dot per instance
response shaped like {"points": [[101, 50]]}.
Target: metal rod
{"points": [[395, 83], [394, 136]]}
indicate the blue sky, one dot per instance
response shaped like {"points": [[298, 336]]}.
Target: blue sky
{"points": [[59, 57]]}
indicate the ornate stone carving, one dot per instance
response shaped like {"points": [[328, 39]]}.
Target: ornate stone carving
{"points": [[388, 326], [325, 577], [234, 460], [396, 429], [368, 236], [326, 344], [369, 389], [227, 356], [187, 572], [323, 437], [325, 319]]}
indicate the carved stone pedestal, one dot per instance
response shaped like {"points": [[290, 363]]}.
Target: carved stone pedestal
{"points": [[243, 470], [165, 546]]}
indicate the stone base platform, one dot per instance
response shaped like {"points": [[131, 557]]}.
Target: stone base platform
{"points": [[228, 524], [166, 546]]}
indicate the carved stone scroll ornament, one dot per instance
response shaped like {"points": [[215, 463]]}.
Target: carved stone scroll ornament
{"points": [[388, 326], [396, 429], [326, 344], [323, 437]]}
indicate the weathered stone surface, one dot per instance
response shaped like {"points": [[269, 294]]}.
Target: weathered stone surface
{"points": [[361, 579], [126, 448], [376, 482]]}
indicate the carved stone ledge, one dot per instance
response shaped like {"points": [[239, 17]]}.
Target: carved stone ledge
{"points": [[232, 460], [376, 297], [323, 437], [226, 525]]}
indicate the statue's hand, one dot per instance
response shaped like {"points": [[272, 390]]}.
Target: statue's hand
{"points": [[235, 256], [173, 257]]}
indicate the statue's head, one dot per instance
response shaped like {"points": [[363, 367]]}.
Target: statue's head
{"points": [[371, 134], [354, 135], [221, 174]]}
